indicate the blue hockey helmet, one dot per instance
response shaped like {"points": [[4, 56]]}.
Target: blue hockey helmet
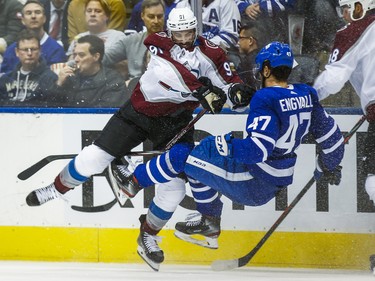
{"points": [[278, 54]]}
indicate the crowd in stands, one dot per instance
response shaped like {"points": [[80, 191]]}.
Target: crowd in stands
{"points": [[48, 56]]}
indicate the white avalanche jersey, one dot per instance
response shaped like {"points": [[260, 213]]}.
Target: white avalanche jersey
{"points": [[221, 21], [353, 59], [172, 75]]}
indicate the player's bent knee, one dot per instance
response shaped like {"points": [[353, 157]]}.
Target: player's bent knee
{"points": [[178, 155], [92, 160]]}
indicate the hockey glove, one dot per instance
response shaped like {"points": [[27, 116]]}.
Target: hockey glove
{"points": [[223, 144], [240, 95], [211, 97], [323, 175]]}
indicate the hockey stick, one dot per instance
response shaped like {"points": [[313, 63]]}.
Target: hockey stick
{"points": [[231, 264], [33, 169], [95, 209]]}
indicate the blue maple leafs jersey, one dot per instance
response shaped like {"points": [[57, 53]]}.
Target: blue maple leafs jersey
{"points": [[278, 121]]}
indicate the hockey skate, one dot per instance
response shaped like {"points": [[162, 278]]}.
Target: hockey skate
{"points": [[42, 195], [203, 232], [122, 182], [148, 248]]}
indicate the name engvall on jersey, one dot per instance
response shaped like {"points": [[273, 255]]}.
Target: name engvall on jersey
{"points": [[295, 103]]}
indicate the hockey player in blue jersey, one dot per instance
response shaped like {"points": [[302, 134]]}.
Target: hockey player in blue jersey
{"points": [[253, 170]]}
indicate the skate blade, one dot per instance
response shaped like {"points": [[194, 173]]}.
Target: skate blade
{"points": [[154, 265], [119, 194], [207, 242]]}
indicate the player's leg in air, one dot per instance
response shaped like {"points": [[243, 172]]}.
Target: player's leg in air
{"points": [[161, 171]]}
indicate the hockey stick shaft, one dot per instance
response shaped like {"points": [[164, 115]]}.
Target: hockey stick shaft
{"points": [[33, 169], [231, 264], [191, 124]]}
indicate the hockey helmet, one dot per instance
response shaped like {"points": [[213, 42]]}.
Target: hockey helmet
{"points": [[278, 54], [181, 19], [366, 6]]}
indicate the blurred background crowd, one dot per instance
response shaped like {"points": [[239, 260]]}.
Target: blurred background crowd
{"points": [[90, 53]]}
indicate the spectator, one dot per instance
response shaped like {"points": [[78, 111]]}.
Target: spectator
{"points": [[136, 22], [87, 83], [132, 45], [77, 23], [250, 42], [254, 8], [10, 22], [273, 14], [57, 20], [221, 21], [321, 24], [97, 14], [33, 18], [31, 80]]}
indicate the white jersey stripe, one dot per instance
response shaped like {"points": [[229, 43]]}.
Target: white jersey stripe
{"points": [[276, 172], [207, 200], [244, 176]]}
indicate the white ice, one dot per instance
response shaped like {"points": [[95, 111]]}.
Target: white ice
{"points": [[58, 271]]}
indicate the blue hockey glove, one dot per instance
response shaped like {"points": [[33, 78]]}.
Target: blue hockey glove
{"points": [[223, 144], [323, 175], [240, 95]]}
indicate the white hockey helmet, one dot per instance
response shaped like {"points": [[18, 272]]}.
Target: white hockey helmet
{"points": [[366, 5], [181, 19]]}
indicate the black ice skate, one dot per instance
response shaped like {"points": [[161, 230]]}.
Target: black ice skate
{"points": [[148, 248], [203, 232], [123, 184], [42, 195]]}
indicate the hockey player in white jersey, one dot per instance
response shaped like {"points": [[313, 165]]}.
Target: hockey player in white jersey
{"points": [[184, 70], [253, 170], [221, 22], [352, 59]]}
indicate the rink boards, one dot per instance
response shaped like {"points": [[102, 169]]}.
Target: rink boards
{"points": [[330, 227]]}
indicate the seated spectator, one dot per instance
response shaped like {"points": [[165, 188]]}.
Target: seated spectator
{"points": [[86, 82], [321, 24], [76, 18], [33, 18], [221, 21], [273, 14], [97, 14], [251, 40], [10, 22], [254, 8], [57, 20], [132, 45], [136, 23], [30, 82]]}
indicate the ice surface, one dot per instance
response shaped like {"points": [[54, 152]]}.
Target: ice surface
{"points": [[58, 271]]}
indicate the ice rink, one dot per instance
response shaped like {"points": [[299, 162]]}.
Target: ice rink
{"points": [[56, 271]]}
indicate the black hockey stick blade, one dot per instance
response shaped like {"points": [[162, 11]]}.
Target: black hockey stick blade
{"points": [[221, 265], [95, 209], [33, 169], [24, 175]]}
